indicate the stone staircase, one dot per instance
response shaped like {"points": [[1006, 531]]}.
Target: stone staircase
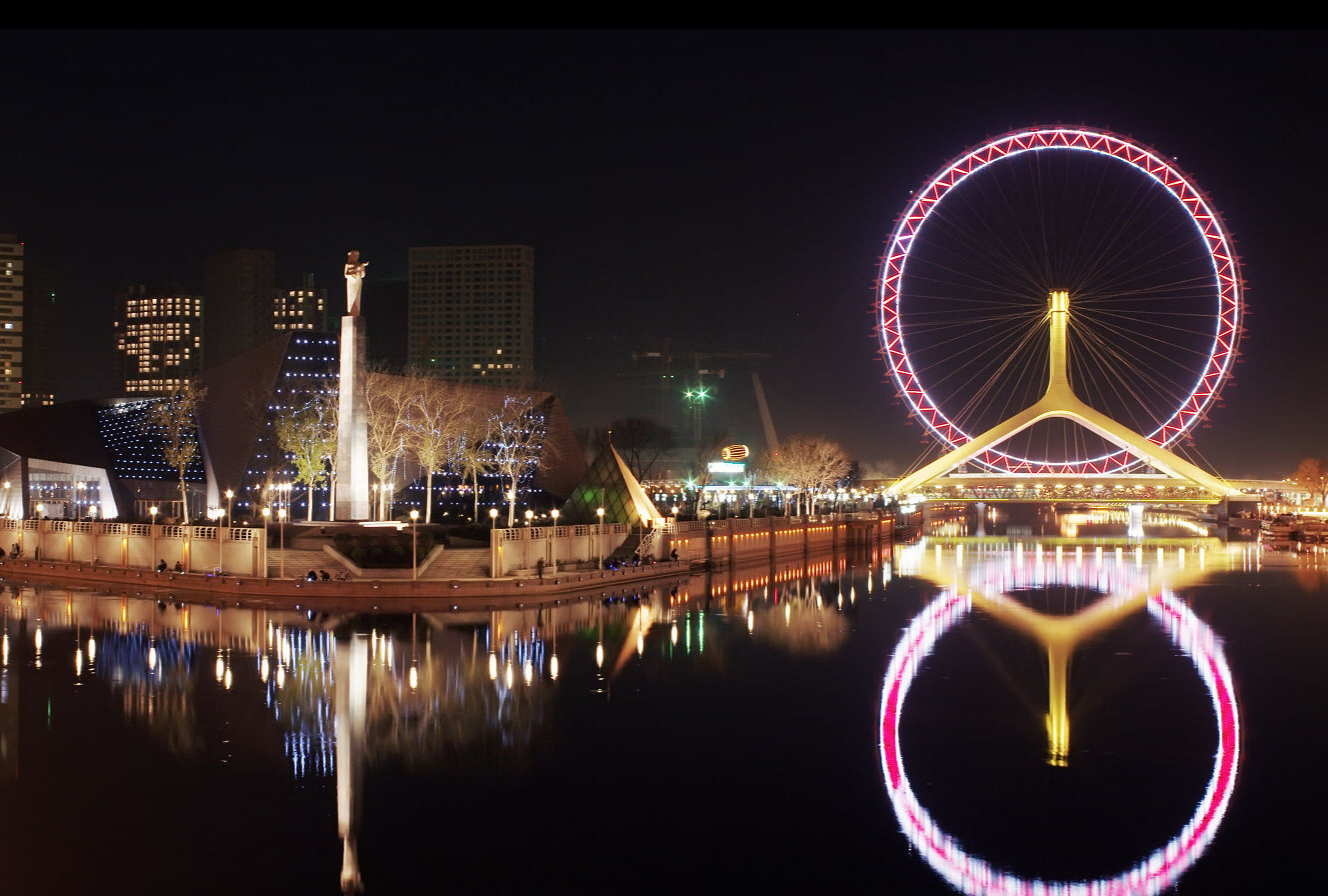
{"points": [[453, 563], [460, 563], [298, 562]]}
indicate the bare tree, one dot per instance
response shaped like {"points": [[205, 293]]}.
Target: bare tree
{"points": [[706, 453], [437, 423], [388, 403], [473, 456], [810, 464], [174, 418], [516, 434], [1312, 475], [640, 442], [308, 435]]}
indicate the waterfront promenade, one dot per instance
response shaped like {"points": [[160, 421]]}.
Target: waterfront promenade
{"points": [[386, 590], [454, 578]]}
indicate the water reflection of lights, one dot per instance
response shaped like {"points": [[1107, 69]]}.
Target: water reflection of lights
{"points": [[147, 649], [975, 876]]}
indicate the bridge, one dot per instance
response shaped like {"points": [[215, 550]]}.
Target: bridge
{"points": [[1175, 480]]}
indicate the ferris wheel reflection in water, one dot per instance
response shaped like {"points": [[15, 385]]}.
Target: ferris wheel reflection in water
{"points": [[1127, 584]]}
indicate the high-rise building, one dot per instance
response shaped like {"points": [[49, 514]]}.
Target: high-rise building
{"points": [[159, 334], [239, 285], [471, 314], [42, 351], [302, 308], [11, 322]]}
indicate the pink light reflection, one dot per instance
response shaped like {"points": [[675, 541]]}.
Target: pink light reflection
{"points": [[975, 876]]}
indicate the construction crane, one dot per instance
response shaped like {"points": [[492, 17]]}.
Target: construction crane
{"points": [[695, 367]]}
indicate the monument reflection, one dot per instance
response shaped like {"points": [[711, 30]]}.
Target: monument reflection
{"points": [[1114, 574], [462, 690]]}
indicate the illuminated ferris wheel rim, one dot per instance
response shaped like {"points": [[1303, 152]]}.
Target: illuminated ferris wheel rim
{"points": [[975, 876], [1207, 223]]}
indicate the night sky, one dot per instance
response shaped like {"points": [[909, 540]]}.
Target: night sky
{"points": [[728, 191]]}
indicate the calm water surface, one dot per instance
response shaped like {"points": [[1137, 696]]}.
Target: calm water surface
{"points": [[720, 732]]}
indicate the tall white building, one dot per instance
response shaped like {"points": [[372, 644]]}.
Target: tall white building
{"points": [[471, 314], [11, 322]]}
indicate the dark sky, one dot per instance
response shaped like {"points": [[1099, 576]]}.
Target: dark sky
{"points": [[728, 191]]}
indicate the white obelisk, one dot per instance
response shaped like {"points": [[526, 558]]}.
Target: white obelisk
{"points": [[352, 421]]}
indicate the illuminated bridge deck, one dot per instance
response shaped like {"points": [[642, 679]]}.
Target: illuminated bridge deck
{"points": [[1142, 488]]}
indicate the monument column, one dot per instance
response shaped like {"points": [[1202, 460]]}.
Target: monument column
{"points": [[352, 499]]}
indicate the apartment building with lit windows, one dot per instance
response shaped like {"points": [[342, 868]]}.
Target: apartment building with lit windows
{"points": [[471, 314], [11, 322], [302, 308], [159, 338]]}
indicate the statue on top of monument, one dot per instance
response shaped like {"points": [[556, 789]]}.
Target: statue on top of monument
{"points": [[354, 280]]}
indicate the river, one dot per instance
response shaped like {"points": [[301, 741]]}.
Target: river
{"points": [[1061, 701]]}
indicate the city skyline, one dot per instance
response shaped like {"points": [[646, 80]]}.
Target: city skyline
{"points": [[730, 192]]}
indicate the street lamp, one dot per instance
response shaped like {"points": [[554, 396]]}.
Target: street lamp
{"points": [[493, 518], [153, 510], [281, 541], [530, 514], [599, 537], [8, 510], [553, 563], [267, 512], [229, 494], [414, 563], [216, 522]]}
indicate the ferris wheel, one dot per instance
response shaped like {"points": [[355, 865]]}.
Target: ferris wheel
{"points": [[1154, 308]]}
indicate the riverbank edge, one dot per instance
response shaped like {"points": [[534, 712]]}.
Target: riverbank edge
{"points": [[343, 596]]}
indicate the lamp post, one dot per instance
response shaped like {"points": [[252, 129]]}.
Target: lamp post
{"points": [[9, 512], [281, 541], [229, 494], [414, 562], [267, 512], [553, 564], [153, 511], [216, 523], [78, 502], [530, 514], [493, 518], [599, 537]]}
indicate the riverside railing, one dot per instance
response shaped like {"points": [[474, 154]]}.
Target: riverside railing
{"points": [[236, 550]]}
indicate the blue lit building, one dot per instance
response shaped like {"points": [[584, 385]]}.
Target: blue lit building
{"points": [[103, 459]]}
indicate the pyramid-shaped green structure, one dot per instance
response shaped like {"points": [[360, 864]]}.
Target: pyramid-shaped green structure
{"points": [[609, 484]]}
